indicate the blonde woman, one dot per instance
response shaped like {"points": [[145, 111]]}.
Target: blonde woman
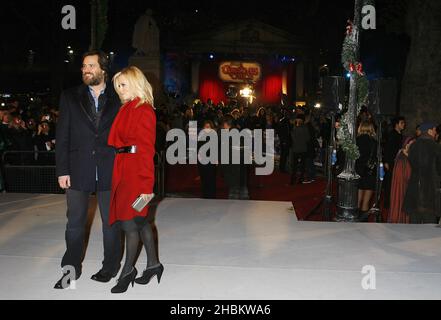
{"points": [[133, 135], [366, 167]]}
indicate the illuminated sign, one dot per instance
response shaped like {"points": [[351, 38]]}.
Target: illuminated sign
{"points": [[240, 71]]}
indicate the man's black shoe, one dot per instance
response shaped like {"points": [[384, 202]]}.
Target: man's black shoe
{"points": [[103, 276], [59, 284]]}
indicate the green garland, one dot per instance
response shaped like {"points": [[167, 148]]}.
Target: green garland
{"points": [[345, 140], [102, 24], [350, 64], [355, 68]]}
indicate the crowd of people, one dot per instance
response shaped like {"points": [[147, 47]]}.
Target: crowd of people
{"points": [[27, 131], [27, 127], [302, 135], [412, 163]]}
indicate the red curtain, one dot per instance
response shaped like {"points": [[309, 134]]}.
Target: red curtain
{"points": [[271, 89], [210, 86], [268, 90]]}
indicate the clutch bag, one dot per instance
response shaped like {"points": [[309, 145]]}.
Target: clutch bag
{"points": [[139, 204]]}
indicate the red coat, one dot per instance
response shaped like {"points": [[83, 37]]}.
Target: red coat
{"points": [[133, 173]]}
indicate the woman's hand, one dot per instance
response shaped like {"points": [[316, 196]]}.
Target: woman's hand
{"points": [[148, 197]]}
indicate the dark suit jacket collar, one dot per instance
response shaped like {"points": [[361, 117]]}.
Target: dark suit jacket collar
{"points": [[88, 107], [86, 103]]}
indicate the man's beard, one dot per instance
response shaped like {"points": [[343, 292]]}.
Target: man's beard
{"points": [[95, 80]]}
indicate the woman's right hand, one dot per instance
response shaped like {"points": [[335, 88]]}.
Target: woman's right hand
{"points": [[148, 197]]}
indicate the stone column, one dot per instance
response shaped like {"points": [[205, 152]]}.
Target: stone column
{"points": [[300, 81], [195, 77]]}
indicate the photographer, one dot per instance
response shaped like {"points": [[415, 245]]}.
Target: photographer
{"points": [[44, 142], [21, 140]]}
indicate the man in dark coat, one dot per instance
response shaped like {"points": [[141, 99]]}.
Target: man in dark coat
{"points": [[422, 197], [85, 163], [393, 144], [300, 138], [234, 173], [283, 130]]}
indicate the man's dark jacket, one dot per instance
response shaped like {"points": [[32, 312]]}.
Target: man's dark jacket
{"points": [[81, 138], [425, 161]]}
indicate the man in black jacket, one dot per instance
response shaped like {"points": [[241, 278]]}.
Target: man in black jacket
{"points": [[393, 144], [85, 164], [422, 200]]}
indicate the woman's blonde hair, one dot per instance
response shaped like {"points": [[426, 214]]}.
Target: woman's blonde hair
{"points": [[366, 127], [138, 83]]}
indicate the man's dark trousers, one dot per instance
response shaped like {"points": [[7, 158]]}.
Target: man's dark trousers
{"points": [[77, 212]]}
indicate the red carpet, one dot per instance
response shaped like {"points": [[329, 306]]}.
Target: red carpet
{"points": [[184, 180]]}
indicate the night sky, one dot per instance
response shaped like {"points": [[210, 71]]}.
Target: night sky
{"points": [[36, 25]]}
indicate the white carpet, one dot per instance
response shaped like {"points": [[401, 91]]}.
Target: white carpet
{"points": [[221, 249]]}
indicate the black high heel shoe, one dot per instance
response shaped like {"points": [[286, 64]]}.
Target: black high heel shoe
{"points": [[123, 283], [149, 273]]}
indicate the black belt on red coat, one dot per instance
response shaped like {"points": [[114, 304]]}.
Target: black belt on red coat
{"points": [[128, 149]]}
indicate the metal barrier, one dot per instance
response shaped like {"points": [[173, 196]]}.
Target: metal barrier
{"points": [[159, 188], [35, 172]]}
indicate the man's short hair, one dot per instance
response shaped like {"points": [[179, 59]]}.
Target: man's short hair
{"points": [[103, 59], [397, 120]]}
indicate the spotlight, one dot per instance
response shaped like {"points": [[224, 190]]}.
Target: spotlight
{"points": [[247, 92], [211, 56], [317, 106], [348, 75]]}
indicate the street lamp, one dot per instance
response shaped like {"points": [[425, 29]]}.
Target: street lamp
{"points": [[31, 57], [323, 72], [70, 54], [112, 58]]}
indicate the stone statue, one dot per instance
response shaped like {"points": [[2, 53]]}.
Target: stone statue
{"points": [[146, 36]]}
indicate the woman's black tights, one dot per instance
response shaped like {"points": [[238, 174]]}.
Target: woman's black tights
{"points": [[136, 229]]}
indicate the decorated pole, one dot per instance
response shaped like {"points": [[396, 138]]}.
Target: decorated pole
{"points": [[93, 26], [98, 23], [347, 205]]}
